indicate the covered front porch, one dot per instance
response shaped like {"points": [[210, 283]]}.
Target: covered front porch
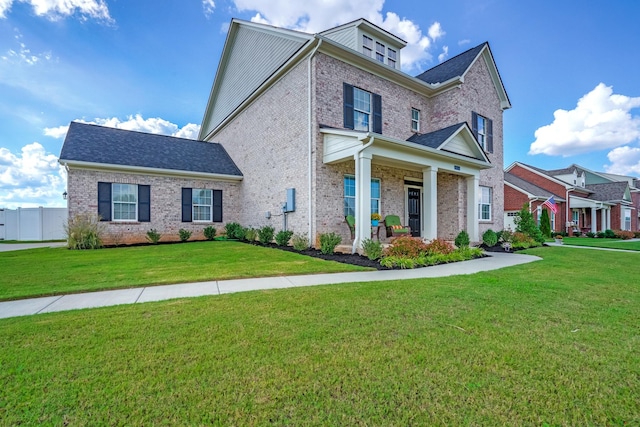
{"points": [[589, 215], [428, 158]]}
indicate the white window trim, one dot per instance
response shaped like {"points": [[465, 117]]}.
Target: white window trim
{"points": [[379, 199], [416, 121], [369, 113], [381, 50], [482, 136], [367, 50], [480, 204], [114, 202], [194, 205]]}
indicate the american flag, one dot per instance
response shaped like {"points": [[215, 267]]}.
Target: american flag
{"points": [[551, 204]]}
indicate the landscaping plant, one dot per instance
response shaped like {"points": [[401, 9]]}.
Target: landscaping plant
{"points": [[545, 223], [84, 231], [233, 230], [153, 236], [490, 238], [372, 248], [328, 242], [283, 237], [300, 241], [265, 234], [209, 232], [462, 239], [250, 234], [527, 225], [184, 234]]}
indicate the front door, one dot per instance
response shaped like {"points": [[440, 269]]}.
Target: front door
{"points": [[413, 204]]}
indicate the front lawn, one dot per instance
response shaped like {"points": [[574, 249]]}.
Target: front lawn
{"points": [[633, 245], [52, 271], [554, 342]]}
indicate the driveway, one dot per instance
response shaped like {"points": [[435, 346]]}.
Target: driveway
{"points": [[6, 247]]}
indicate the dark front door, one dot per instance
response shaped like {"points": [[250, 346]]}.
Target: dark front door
{"points": [[414, 211]]}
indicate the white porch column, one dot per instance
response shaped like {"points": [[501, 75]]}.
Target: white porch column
{"points": [[608, 224], [473, 189], [593, 219], [363, 198], [603, 219], [430, 203]]}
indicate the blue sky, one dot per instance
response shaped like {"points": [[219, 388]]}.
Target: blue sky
{"points": [[570, 69]]}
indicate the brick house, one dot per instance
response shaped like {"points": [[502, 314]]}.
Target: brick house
{"points": [[327, 125], [587, 201]]}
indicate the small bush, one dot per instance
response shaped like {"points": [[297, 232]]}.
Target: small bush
{"points": [[624, 235], [250, 234], [328, 242], [592, 235], [490, 238], [406, 247], [300, 242], [209, 232], [84, 231], [577, 233], [233, 230], [609, 234], [462, 239], [283, 237], [184, 234], [265, 234], [636, 234], [153, 236], [439, 246], [372, 248]]}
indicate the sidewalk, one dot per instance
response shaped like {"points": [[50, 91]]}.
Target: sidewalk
{"points": [[159, 293]]}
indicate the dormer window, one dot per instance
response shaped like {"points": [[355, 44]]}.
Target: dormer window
{"points": [[367, 45], [380, 51], [392, 58]]}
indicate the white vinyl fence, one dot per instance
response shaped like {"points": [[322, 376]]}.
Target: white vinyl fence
{"points": [[33, 224]]}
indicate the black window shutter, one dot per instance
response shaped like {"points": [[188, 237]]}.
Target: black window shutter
{"points": [[187, 203], [104, 201], [144, 203], [377, 113], [490, 135], [217, 206], [474, 124], [348, 105]]}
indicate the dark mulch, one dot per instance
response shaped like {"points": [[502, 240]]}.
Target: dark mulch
{"points": [[354, 259]]}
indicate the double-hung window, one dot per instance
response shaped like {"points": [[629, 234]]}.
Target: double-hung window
{"points": [[392, 58], [202, 201], [484, 205], [124, 202], [415, 120], [367, 45], [362, 109], [201, 205], [350, 195], [626, 219], [380, 50], [482, 128]]}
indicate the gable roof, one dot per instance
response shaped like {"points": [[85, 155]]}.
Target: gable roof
{"points": [[98, 146], [532, 190], [456, 138], [610, 192], [453, 67]]}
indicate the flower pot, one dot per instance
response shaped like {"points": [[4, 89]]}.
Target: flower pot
{"points": [[559, 241], [374, 222]]}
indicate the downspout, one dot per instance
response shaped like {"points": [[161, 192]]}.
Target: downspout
{"points": [[356, 239], [310, 143]]}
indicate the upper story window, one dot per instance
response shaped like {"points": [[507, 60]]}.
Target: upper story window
{"points": [[380, 51], [362, 109], [367, 45], [392, 57], [482, 128], [415, 120]]}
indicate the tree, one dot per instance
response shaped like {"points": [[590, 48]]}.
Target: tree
{"points": [[545, 223], [525, 224]]}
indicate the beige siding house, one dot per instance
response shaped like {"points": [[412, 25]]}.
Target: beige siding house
{"points": [[331, 117]]}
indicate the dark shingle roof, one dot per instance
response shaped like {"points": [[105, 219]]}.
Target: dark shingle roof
{"points": [[436, 138], [609, 191], [454, 67], [529, 187], [99, 144]]}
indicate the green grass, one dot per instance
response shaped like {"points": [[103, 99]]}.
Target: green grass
{"points": [[554, 342], [603, 243], [52, 271]]}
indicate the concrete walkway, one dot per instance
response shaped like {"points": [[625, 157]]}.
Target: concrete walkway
{"points": [[6, 247], [158, 293]]}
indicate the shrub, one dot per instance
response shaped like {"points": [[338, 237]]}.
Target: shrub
{"points": [[250, 234], [406, 247], [84, 231], [328, 242], [525, 224], [636, 234], [153, 236], [523, 241], [490, 238], [577, 233], [372, 248], [599, 234], [233, 230], [209, 232], [283, 237], [462, 239], [439, 246], [545, 223], [300, 242], [609, 234], [624, 235], [184, 234], [265, 234]]}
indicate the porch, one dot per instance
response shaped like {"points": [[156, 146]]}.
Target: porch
{"points": [[588, 215]]}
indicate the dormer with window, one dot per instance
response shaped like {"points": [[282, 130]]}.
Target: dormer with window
{"points": [[370, 40]]}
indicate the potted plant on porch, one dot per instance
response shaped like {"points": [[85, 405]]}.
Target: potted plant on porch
{"points": [[558, 237], [375, 219]]}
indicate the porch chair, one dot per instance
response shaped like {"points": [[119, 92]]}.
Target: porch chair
{"points": [[351, 222], [394, 226]]}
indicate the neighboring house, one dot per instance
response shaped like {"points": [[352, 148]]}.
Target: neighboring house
{"points": [[587, 201], [331, 119]]}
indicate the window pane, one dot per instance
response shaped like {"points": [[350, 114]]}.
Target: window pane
{"points": [[392, 54], [361, 100], [349, 186], [375, 188], [349, 206], [360, 121], [367, 42]]}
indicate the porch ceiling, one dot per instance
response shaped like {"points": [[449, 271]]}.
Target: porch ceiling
{"points": [[342, 145], [579, 202]]}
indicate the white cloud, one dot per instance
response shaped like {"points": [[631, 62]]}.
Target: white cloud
{"points": [[22, 54], [445, 53], [601, 120], [57, 9], [136, 123], [208, 6], [463, 42], [313, 16], [31, 178], [624, 161]]}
